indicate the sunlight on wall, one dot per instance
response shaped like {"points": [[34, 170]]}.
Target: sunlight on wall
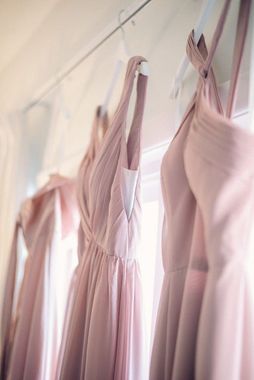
{"points": [[148, 252]]}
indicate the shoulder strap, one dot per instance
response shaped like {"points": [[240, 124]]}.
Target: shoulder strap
{"points": [[241, 32], [131, 151], [242, 26], [133, 145], [216, 37], [128, 85]]}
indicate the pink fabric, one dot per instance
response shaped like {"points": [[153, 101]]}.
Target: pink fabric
{"points": [[99, 128], [106, 334], [32, 332], [204, 327]]}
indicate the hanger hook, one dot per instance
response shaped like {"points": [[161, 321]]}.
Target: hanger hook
{"points": [[120, 22]]}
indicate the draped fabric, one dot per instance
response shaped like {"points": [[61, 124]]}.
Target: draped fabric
{"points": [[32, 328], [204, 327], [8, 163], [106, 338], [99, 128]]}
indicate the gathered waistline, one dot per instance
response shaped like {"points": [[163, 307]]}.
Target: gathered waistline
{"points": [[93, 241]]}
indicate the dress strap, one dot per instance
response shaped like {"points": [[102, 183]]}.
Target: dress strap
{"points": [[241, 32], [132, 156], [131, 149], [216, 37], [129, 82], [242, 26]]}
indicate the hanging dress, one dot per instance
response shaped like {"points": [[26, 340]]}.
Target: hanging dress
{"points": [[32, 330], [99, 128], [106, 335], [204, 328], [8, 167]]}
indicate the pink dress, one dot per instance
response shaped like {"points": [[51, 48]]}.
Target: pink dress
{"points": [[99, 128], [32, 330], [204, 327], [106, 335]]}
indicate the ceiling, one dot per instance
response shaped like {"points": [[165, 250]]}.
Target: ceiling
{"points": [[38, 37], [18, 22]]}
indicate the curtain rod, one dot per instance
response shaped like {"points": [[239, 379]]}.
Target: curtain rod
{"points": [[67, 72]]}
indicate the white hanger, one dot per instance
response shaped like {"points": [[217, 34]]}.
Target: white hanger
{"points": [[123, 54], [122, 57], [143, 68], [198, 30], [125, 50]]}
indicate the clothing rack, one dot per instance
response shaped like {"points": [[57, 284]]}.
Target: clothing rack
{"points": [[114, 27]]}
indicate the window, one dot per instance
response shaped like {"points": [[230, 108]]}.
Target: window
{"points": [[150, 248]]}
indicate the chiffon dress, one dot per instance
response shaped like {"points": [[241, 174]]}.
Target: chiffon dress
{"points": [[8, 166], [32, 329], [99, 127], [204, 327], [106, 337]]}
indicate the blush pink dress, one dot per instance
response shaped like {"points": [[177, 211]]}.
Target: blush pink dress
{"points": [[106, 336], [204, 328], [99, 127], [32, 332]]}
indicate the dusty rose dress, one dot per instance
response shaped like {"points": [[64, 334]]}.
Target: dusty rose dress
{"points": [[99, 127], [106, 335], [204, 327], [32, 331]]}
